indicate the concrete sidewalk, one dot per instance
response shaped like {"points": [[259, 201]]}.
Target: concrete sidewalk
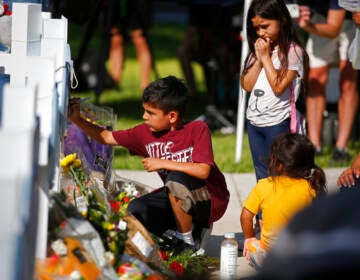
{"points": [[240, 185]]}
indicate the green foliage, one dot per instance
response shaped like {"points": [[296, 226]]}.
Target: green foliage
{"points": [[195, 267]]}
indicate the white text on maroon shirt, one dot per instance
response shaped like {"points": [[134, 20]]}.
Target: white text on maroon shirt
{"points": [[163, 150]]}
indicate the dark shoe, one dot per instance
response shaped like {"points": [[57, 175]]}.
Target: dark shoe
{"points": [[182, 248], [201, 236], [340, 155], [175, 246], [167, 242]]}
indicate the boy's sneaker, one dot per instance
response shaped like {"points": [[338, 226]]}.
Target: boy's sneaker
{"points": [[201, 236], [180, 247], [340, 155], [169, 242], [175, 246]]}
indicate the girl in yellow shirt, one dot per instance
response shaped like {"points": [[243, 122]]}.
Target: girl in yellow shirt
{"points": [[294, 181]]}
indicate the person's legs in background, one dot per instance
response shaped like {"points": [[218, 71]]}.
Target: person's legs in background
{"points": [[139, 22], [324, 52], [347, 108], [116, 55], [199, 45], [316, 104], [349, 99], [186, 52], [135, 18], [143, 55]]}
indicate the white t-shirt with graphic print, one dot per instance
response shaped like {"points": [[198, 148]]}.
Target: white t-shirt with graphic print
{"points": [[264, 107]]}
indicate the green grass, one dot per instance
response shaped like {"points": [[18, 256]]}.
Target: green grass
{"points": [[127, 102]]}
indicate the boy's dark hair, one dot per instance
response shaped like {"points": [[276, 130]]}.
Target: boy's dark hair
{"points": [[297, 155], [167, 94]]}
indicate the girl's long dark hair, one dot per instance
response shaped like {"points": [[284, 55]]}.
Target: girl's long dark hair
{"points": [[276, 10], [296, 154]]}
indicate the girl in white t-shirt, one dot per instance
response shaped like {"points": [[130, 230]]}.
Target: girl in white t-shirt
{"points": [[276, 64]]}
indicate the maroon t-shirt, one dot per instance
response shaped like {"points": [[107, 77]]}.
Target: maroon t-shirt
{"points": [[190, 143]]}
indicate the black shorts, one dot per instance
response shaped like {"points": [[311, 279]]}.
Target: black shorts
{"points": [[128, 15], [154, 210]]}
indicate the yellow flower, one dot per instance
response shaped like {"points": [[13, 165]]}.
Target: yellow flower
{"points": [[110, 227], [68, 160], [76, 163]]}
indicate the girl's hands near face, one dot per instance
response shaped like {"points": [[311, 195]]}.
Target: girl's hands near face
{"points": [[262, 48]]}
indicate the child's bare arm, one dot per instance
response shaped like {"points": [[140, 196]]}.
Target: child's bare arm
{"points": [[278, 86], [248, 79], [95, 132], [197, 170], [247, 225]]}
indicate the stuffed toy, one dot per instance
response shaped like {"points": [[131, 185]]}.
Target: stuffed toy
{"points": [[5, 26]]}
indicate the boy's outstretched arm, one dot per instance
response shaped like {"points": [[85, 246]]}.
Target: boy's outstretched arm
{"points": [[194, 169], [95, 132]]}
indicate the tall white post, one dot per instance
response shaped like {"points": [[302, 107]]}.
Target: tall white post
{"points": [[242, 94]]}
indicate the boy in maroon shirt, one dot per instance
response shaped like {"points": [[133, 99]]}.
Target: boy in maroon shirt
{"points": [[195, 193]]}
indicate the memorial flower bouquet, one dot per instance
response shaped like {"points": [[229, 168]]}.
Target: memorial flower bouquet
{"points": [[107, 212], [73, 182], [92, 201], [94, 155], [71, 165]]}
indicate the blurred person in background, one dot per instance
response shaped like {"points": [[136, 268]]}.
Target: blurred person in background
{"points": [[331, 31], [212, 41], [353, 6], [132, 17]]}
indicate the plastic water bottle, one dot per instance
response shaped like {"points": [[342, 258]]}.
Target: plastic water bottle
{"points": [[228, 257]]}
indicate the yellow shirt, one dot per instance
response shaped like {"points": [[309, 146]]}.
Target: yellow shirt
{"points": [[279, 198]]}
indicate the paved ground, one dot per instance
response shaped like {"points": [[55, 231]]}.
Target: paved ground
{"points": [[239, 185]]}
